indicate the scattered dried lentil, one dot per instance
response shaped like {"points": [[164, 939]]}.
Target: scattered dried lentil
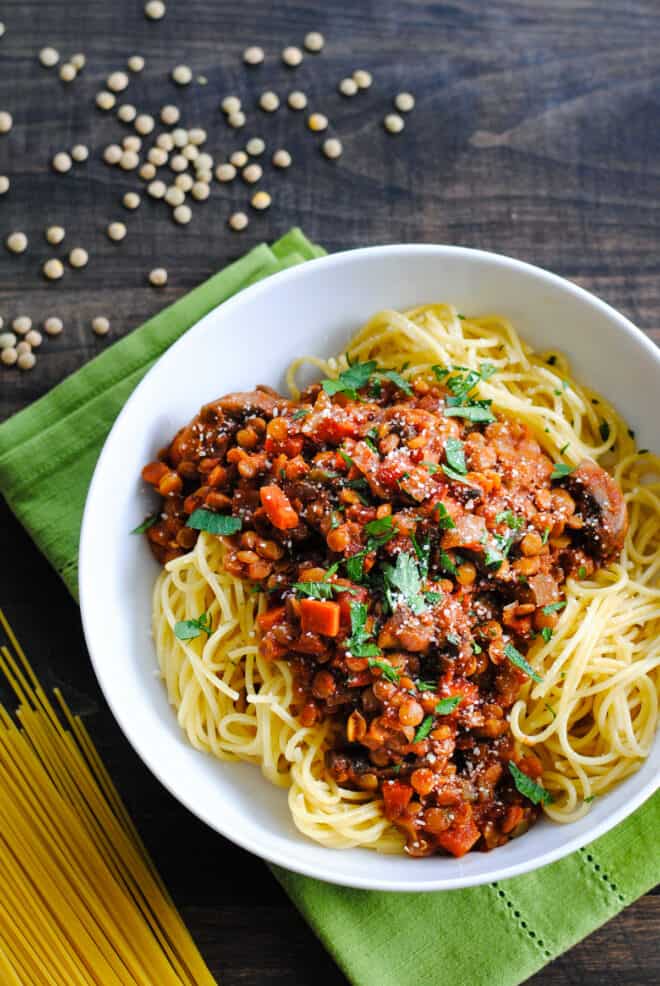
{"points": [[53, 269], [101, 325], [4, 184], [53, 326], [332, 148], [404, 102], [393, 123], [34, 338], [131, 200], [157, 156], [254, 55], [236, 120], [9, 356], [182, 214], [165, 142], [252, 173], [129, 160], [23, 347], [255, 146], [230, 104], [238, 221], [182, 75], [225, 172], [147, 171], [135, 63], [260, 200], [197, 136], [68, 72], [314, 41], [49, 57], [178, 162], [155, 9], [112, 154], [22, 324], [269, 101], [7, 339], [116, 231], [180, 137], [297, 100], [55, 234], [26, 361], [158, 277], [78, 257], [175, 196], [281, 158], [363, 78], [105, 100], [239, 159], [184, 181], [17, 242], [348, 87], [292, 56], [126, 113], [144, 124], [317, 122], [200, 191], [117, 81], [79, 153], [78, 60], [6, 122]]}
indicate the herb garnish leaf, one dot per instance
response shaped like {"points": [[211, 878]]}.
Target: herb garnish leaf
{"points": [[529, 788], [189, 629], [404, 578], [553, 608], [455, 455], [359, 643], [206, 520], [351, 380], [516, 658], [423, 730], [447, 705], [445, 522], [146, 524], [388, 671], [560, 470]]}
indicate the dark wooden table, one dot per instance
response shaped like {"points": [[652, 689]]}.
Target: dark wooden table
{"points": [[535, 134]]}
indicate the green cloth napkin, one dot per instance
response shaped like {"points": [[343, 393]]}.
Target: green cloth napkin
{"points": [[496, 935]]}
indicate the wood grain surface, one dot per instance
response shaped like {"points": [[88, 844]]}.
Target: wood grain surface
{"points": [[535, 135]]}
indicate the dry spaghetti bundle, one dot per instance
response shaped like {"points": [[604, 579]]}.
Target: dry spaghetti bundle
{"points": [[82, 902]]}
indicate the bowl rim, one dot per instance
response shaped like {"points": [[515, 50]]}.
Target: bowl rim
{"points": [[131, 730]]}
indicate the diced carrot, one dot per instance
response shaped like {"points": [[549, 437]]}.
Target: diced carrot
{"points": [[462, 835], [396, 796], [278, 508], [270, 618], [153, 472], [319, 616]]}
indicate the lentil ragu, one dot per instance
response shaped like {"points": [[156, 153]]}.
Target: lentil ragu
{"points": [[411, 543]]}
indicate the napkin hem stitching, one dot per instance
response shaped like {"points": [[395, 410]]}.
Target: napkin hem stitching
{"points": [[523, 925], [601, 873]]}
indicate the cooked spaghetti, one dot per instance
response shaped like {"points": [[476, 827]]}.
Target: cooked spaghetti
{"points": [[425, 593], [82, 903]]}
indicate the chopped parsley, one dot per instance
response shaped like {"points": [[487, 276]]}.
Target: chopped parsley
{"points": [[582, 572], [369, 442], [511, 520], [453, 639], [423, 730], [445, 522], [432, 467], [400, 382], [475, 411], [206, 520], [423, 552], [388, 671], [447, 705], [529, 788], [546, 535], [550, 710], [426, 686], [553, 608], [476, 648], [146, 524], [404, 579], [189, 629], [433, 597], [346, 457], [455, 455], [302, 412], [351, 380], [546, 633], [560, 470], [589, 799], [359, 643], [446, 564], [355, 566], [516, 658], [382, 525]]}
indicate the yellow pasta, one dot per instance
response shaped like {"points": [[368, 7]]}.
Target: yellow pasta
{"points": [[591, 720]]}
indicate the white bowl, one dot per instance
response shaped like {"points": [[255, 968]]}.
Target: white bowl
{"points": [[251, 339]]}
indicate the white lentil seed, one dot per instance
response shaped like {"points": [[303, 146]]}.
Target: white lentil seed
{"points": [[204, 176], [131, 143], [297, 100], [101, 325], [49, 57], [231, 104], [292, 56], [26, 361], [2, 29], [190, 152], [182, 214], [147, 171], [78, 257], [393, 123], [112, 154], [269, 101], [184, 181], [78, 60], [23, 347], [17, 242], [79, 153], [6, 122], [363, 78], [126, 113], [68, 72], [105, 100], [317, 122], [55, 234], [252, 173], [9, 356], [165, 142], [117, 81], [157, 156], [7, 339], [170, 115], [135, 63], [116, 231], [197, 136], [53, 326], [182, 75], [4, 184], [225, 172], [348, 87], [255, 146], [314, 41], [62, 162], [155, 9], [203, 162], [260, 200], [332, 148], [131, 200], [53, 269], [180, 137], [22, 324], [238, 221], [236, 120], [144, 124], [239, 159], [178, 162], [129, 160], [34, 338], [200, 191], [404, 102], [254, 55], [175, 196], [282, 158], [158, 277]]}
